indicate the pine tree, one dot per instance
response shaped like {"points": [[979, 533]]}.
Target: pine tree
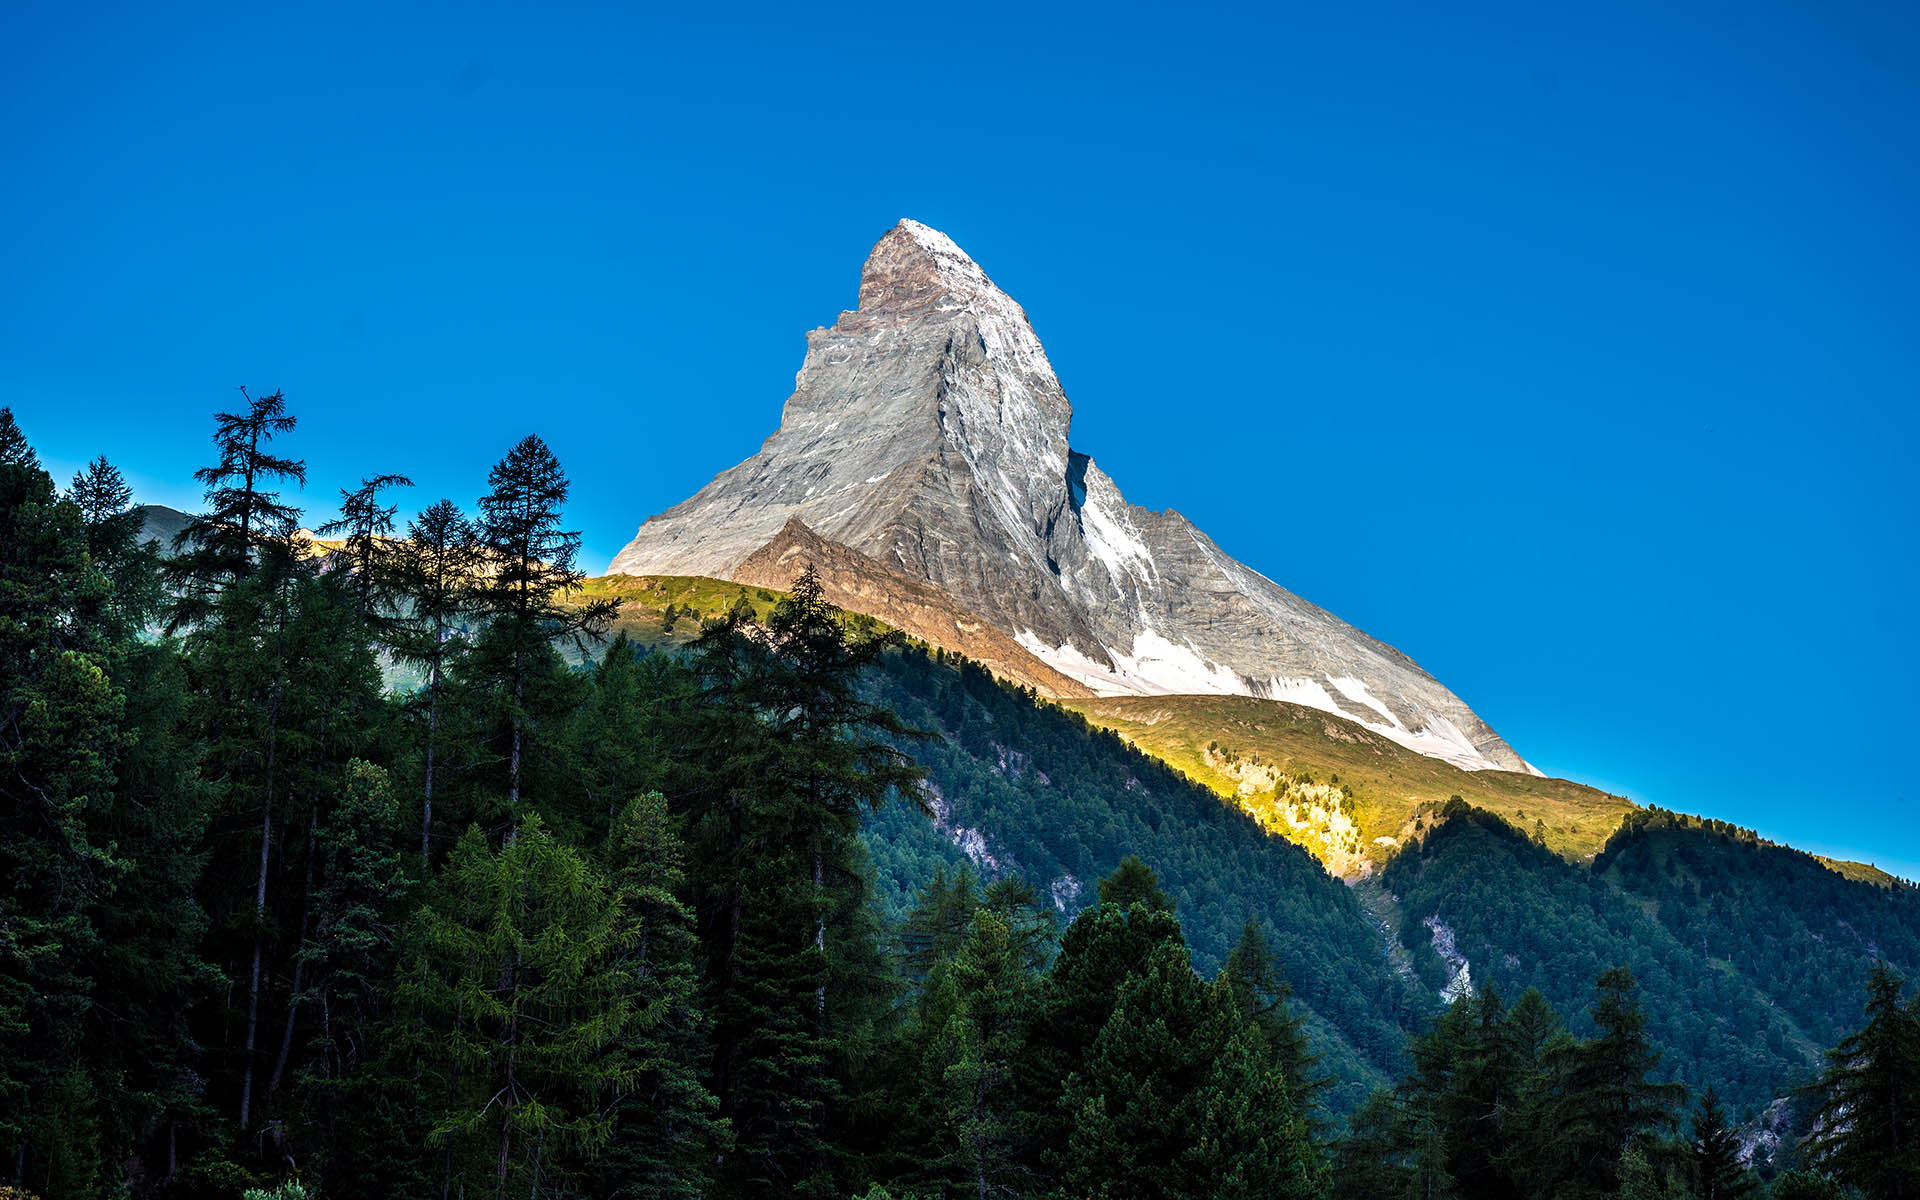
{"points": [[1251, 976], [15, 450], [978, 1051], [218, 547], [531, 559], [1253, 1140], [1132, 1102], [60, 736], [667, 1128], [1867, 1129], [521, 972], [368, 548], [436, 572], [1715, 1152], [793, 756], [1608, 1099], [1134, 881], [113, 539]]}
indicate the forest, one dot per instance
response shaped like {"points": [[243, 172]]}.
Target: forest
{"points": [[578, 917]]}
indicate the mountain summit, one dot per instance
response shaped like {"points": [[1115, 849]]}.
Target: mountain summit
{"points": [[928, 431]]}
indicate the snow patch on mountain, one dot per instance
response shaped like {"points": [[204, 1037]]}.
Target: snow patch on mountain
{"points": [[1156, 667]]}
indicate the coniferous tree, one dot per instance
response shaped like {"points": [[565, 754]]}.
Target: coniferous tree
{"points": [[783, 761], [1867, 1129], [244, 513], [15, 450], [1718, 1173], [520, 970], [977, 1051], [666, 1127], [1609, 1101], [113, 539], [1252, 977], [1133, 881], [530, 560], [368, 548], [436, 571], [60, 735]]}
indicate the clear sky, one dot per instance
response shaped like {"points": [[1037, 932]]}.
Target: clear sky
{"points": [[1573, 349]]}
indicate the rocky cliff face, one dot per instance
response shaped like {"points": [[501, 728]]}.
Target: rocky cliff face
{"points": [[928, 432]]}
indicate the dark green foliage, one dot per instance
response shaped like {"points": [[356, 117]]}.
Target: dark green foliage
{"points": [[1251, 976], [666, 1128], [530, 564], [1177, 1097], [1867, 1131], [218, 547], [1717, 1171], [1525, 918], [368, 550], [113, 540], [1779, 916], [1500, 1103], [519, 970]]}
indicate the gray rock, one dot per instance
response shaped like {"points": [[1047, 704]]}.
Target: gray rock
{"points": [[928, 431]]}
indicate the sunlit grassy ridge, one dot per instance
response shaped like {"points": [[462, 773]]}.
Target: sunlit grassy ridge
{"points": [[1335, 786]]}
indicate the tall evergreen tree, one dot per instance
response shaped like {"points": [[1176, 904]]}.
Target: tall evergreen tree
{"points": [[520, 969], [1867, 1129], [667, 1127], [1718, 1173], [113, 539], [243, 510], [368, 549], [60, 736], [15, 450], [531, 563], [1251, 976], [977, 1051], [437, 570]]}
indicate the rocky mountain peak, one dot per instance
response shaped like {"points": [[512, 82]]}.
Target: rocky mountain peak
{"points": [[915, 268], [927, 434]]}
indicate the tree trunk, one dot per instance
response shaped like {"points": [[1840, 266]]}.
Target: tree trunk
{"points": [[260, 908], [513, 762], [433, 735], [512, 1089], [820, 942], [299, 963]]}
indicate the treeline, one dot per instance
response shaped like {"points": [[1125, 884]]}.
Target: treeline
{"points": [[1523, 917], [1503, 1103], [613, 931], [528, 930], [1772, 912]]}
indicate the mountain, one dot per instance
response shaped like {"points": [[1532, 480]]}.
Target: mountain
{"points": [[158, 523], [928, 433]]}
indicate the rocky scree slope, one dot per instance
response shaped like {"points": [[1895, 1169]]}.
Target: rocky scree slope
{"points": [[928, 432]]}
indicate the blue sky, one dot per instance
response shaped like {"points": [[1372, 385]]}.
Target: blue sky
{"points": [[1572, 349]]}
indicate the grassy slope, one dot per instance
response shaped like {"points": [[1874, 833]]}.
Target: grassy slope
{"points": [[1262, 752]]}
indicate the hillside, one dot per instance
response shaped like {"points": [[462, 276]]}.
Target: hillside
{"points": [[1344, 791]]}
